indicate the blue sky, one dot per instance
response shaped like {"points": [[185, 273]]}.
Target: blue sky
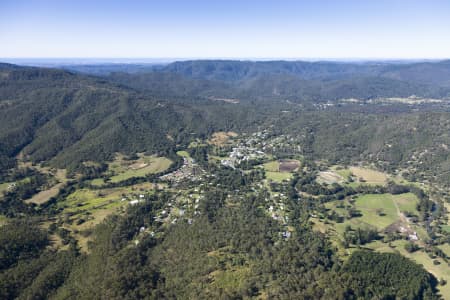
{"points": [[225, 29]]}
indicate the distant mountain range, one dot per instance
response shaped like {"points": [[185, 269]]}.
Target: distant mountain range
{"points": [[295, 81], [434, 72]]}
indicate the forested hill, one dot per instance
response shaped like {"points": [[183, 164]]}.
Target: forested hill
{"points": [[231, 70], [49, 114], [276, 87], [296, 81], [428, 73], [65, 118]]}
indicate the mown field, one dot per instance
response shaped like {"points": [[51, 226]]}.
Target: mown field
{"points": [[122, 169], [278, 176], [151, 165], [369, 176], [368, 206], [272, 166], [377, 210], [353, 176], [88, 200]]}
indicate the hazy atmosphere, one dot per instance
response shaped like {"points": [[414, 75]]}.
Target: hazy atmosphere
{"points": [[225, 29]]}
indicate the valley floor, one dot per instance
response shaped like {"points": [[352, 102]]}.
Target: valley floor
{"points": [[356, 207]]}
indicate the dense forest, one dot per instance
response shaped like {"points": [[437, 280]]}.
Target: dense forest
{"points": [[192, 261]]}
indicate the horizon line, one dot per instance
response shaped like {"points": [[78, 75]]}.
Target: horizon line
{"points": [[149, 60]]}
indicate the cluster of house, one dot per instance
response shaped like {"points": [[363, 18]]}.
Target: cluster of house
{"points": [[240, 154], [182, 207], [412, 235], [185, 205], [254, 147], [260, 144], [249, 148], [277, 209], [189, 170], [134, 201], [322, 106]]}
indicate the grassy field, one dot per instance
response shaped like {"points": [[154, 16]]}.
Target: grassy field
{"points": [[369, 204], [272, 166], [370, 207], [91, 218], [232, 279], [216, 158], [58, 180], [232, 276], [93, 206], [149, 166], [345, 173], [278, 176], [87, 200], [4, 187], [406, 202], [445, 248], [360, 175], [97, 181], [446, 228], [183, 154], [330, 177], [273, 172], [3, 220], [447, 206], [369, 176]]}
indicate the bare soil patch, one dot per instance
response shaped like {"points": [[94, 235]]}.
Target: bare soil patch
{"points": [[288, 165], [369, 175], [221, 138], [330, 177], [44, 196]]}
